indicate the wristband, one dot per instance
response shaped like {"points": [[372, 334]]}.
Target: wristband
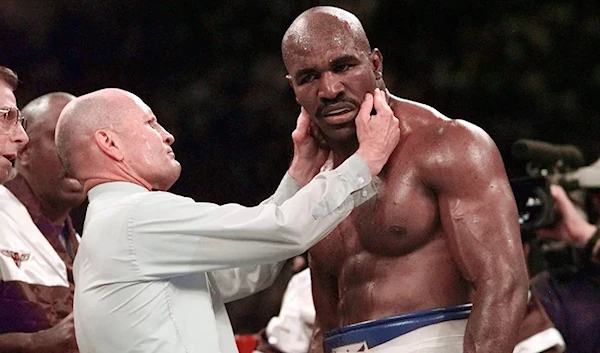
{"points": [[589, 246]]}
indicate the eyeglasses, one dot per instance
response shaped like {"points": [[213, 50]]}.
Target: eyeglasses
{"points": [[10, 118]]}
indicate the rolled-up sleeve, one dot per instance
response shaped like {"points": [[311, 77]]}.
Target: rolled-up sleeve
{"points": [[171, 235]]}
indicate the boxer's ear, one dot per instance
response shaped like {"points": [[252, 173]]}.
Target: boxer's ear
{"points": [[376, 59]]}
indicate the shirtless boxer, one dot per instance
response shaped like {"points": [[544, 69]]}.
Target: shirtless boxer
{"points": [[442, 232]]}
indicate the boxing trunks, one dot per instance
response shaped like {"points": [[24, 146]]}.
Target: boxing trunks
{"points": [[439, 330]]}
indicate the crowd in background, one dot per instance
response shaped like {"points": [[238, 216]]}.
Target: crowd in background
{"points": [[213, 72], [214, 76]]}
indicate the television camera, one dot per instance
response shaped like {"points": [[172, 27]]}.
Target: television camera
{"points": [[548, 164]]}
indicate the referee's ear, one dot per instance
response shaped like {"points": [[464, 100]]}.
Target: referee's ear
{"points": [[107, 142]]}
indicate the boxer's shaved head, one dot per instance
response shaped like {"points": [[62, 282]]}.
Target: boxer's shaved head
{"points": [[323, 24]]}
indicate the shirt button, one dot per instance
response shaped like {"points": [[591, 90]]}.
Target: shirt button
{"points": [[364, 193], [361, 180]]}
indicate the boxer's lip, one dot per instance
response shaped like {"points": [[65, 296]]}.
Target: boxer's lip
{"points": [[337, 111], [337, 108], [342, 118]]}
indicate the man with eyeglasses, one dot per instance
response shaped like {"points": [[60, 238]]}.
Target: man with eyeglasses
{"points": [[37, 239], [12, 135]]}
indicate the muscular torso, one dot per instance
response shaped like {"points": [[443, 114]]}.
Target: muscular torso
{"points": [[390, 255]]}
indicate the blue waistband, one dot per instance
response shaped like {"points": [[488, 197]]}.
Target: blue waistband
{"points": [[379, 331]]}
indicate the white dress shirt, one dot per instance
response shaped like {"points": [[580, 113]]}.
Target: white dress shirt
{"points": [[291, 330], [154, 269]]}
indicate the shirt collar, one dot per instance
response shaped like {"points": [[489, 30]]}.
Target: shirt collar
{"points": [[120, 187]]}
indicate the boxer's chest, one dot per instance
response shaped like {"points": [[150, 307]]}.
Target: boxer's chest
{"points": [[401, 217]]}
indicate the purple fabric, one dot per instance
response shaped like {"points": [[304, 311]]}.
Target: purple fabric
{"points": [[572, 300], [28, 307], [25, 307]]}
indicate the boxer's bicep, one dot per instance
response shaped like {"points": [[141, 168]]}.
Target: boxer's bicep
{"points": [[479, 220], [481, 227], [477, 208]]}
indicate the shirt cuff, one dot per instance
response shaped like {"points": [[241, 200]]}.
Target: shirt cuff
{"points": [[353, 189], [541, 341], [355, 170]]}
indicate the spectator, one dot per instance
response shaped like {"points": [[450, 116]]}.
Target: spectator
{"points": [[572, 298], [12, 134], [37, 240]]}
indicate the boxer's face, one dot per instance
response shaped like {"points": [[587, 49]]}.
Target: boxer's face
{"points": [[330, 76], [12, 135]]}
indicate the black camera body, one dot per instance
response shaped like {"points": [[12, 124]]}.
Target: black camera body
{"points": [[534, 202], [545, 164]]}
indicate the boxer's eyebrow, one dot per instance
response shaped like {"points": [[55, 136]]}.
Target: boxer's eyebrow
{"points": [[303, 72], [342, 60]]}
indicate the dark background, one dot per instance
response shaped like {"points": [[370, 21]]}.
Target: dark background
{"points": [[213, 74]]}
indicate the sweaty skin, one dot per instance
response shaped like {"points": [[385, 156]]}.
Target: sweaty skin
{"points": [[443, 229]]}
